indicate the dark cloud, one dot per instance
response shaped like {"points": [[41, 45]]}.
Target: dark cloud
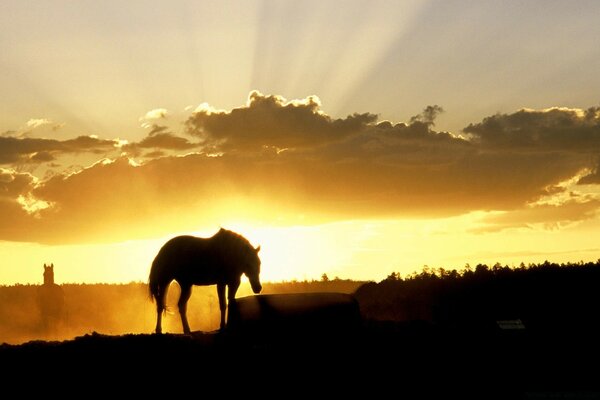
{"points": [[14, 184], [154, 154], [22, 150], [428, 115], [591, 179], [555, 129], [42, 156], [166, 141], [400, 144], [86, 144], [15, 221], [15, 150], [272, 121], [333, 169], [159, 139], [158, 129], [572, 136]]}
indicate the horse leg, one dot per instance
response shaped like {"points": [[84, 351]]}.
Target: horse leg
{"points": [[186, 292], [159, 311], [231, 291], [222, 304]]}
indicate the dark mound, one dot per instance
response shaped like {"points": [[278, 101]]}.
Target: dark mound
{"points": [[295, 313]]}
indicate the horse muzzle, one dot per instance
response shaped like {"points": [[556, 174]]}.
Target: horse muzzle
{"points": [[256, 287]]}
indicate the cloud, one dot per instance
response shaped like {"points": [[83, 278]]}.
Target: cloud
{"points": [[159, 138], [166, 141], [42, 156], [37, 122], [14, 184], [17, 204], [157, 113], [571, 135], [155, 154], [120, 200], [33, 124], [552, 130], [548, 216], [428, 115], [149, 119], [591, 179], [19, 150], [272, 121], [278, 160]]}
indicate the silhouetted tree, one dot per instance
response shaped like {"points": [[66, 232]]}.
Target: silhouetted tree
{"points": [[394, 276], [537, 294]]}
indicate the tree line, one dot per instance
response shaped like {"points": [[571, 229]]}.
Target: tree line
{"points": [[543, 296]]}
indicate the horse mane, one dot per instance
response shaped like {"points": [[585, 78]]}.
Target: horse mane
{"points": [[231, 238]]}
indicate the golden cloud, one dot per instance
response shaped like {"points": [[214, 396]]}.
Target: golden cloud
{"points": [[332, 169], [272, 121]]}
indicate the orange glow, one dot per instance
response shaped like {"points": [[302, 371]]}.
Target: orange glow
{"points": [[299, 125], [356, 249]]}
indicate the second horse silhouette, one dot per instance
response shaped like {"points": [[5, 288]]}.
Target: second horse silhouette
{"points": [[219, 260]]}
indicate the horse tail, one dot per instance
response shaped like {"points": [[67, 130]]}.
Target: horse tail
{"points": [[154, 283]]}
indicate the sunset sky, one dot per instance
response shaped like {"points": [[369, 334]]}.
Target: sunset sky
{"points": [[353, 138]]}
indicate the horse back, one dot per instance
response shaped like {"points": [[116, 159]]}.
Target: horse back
{"points": [[189, 259]]}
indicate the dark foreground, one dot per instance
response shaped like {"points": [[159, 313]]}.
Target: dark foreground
{"points": [[377, 357]]}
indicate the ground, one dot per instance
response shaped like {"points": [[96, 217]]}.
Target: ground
{"points": [[377, 356]]}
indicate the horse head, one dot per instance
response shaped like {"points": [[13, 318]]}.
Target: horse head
{"points": [[252, 269], [48, 274]]}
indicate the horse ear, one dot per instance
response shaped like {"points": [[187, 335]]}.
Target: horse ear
{"points": [[44, 266], [257, 249], [52, 265]]}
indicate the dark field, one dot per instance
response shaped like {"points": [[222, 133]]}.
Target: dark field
{"points": [[377, 356], [530, 332]]}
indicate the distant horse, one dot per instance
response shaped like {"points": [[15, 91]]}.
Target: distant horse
{"points": [[50, 299], [220, 259]]}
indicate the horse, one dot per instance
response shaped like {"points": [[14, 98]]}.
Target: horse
{"points": [[50, 299], [219, 260]]}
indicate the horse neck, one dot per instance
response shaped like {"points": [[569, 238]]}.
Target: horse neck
{"points": [[48, 279]]}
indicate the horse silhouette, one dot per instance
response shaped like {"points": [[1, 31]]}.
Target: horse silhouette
{"points": [[50, 299], [220, 259]]}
